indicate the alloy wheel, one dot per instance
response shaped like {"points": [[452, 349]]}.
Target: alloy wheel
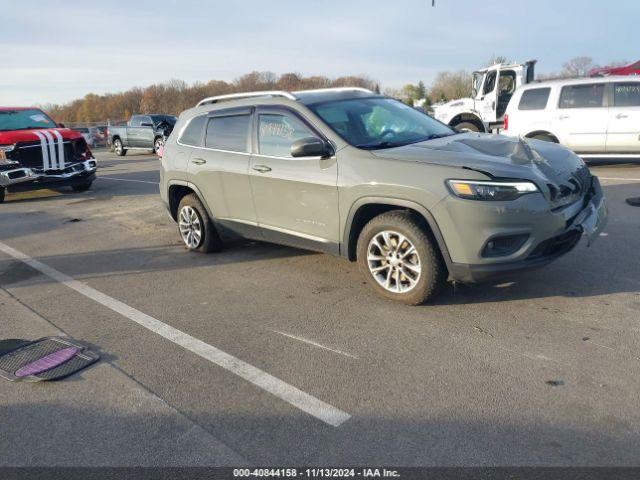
{"points": [[190, 227], [393, 261]]}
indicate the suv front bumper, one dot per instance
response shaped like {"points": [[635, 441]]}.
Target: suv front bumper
{"points": [[550, 236]]}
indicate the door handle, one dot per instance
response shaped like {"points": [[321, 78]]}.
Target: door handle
{"points": [[622, 115], [563, 117], [262, 168], [199, 161]]}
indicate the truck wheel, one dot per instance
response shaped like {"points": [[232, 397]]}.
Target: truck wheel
{"points": [[468, 126], [196, 228], [1, 194], [157, 144], [399, 259], [82, 187], [119, 148]]}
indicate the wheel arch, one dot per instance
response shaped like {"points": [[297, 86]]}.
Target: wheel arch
{"points": [[367, 208], [177, 190], [543, 132]]}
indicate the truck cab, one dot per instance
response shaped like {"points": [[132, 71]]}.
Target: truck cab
{"points": [[492, 88]]}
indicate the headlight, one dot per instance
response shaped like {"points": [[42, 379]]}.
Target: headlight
{"points": [[4, 149], [492, 191]]}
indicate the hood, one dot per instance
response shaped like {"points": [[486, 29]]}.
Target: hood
{"points": [[19, 136], [557, 171]]}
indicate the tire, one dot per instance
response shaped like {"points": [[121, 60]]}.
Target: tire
{"points": [[158, 142], [82, 187], [471, 127], [544, 137], [432, 271], [119, 148], [209, 240], [2, 193]]}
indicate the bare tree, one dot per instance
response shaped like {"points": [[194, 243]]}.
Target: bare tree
{"points": [[577, 67], [450, 85]]}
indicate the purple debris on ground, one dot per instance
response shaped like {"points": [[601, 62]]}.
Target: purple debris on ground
{"points": [[47, 363]]}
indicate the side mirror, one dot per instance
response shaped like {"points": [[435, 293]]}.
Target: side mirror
{"points": [[61, 125], [146, 124], [311, 147]]}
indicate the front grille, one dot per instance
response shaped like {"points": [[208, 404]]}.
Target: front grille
{"points": [[557, 245], [30, 154], [572, 190]]}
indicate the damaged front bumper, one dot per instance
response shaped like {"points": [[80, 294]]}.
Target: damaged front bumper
{"points": [[14, 177], [589, 222]]}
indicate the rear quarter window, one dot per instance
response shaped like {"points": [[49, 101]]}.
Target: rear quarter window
{"points": [[587, 95], [192, 135], [534, 99]]}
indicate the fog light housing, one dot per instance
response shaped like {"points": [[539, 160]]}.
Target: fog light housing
{"points": [[503, 245]]}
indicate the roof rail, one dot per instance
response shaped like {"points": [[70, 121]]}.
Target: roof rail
{"points": [[233, 96], [335, 89]]}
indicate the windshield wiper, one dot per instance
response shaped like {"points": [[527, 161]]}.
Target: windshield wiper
{"points": [[373, 146]]}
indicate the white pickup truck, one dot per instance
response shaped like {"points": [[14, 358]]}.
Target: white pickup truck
{"points": [[493, 87]]}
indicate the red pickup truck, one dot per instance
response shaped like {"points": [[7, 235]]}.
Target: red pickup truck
{"points": [[36, 152]]}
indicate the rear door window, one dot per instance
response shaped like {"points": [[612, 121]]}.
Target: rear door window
{"points": [[228, 133], [192, 135], [588, 95], [626, 94], [534, 99]]}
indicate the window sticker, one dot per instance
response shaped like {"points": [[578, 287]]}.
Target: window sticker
{"points": [[276, 129], [39, 118]]}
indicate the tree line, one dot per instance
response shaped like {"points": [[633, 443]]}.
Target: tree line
{"points": [[175, 96]]}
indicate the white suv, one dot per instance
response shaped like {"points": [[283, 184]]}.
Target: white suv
{"points": [[598, 116]]}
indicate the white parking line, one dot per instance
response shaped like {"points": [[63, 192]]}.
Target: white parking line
{"points": [[623, 179], [290, 394], [315, 344], [126, 180]]}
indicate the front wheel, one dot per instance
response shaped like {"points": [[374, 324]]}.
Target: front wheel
{"points": [[467, 127], [119, 148], [2, 191], [196, 228], [400, 260]]}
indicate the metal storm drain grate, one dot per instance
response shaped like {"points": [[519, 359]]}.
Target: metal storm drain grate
{"points": [[49, 358]]}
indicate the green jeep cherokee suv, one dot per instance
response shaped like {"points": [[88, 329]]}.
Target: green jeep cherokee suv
{"points": [[357, 174]]}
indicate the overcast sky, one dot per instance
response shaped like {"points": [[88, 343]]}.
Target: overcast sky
{"points": [[53, 52]]}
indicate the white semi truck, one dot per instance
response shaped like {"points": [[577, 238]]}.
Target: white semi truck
{"points": [[491, 91]]}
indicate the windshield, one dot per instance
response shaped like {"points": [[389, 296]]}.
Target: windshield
{"points": [[477, 81], [24, 120], [373, 123], [158, 119]]}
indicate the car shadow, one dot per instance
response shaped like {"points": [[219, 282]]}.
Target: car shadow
{"points": [[97, 435]]}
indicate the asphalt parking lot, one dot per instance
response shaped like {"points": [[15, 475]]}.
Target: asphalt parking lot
{"points": [[268, 355]]}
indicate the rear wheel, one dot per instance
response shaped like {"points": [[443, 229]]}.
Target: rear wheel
{"points": [[547, 137], [2, 191], [157, 144], [400, 259], [118, 147], [196, 228], [467, 127], [82, 187]]}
